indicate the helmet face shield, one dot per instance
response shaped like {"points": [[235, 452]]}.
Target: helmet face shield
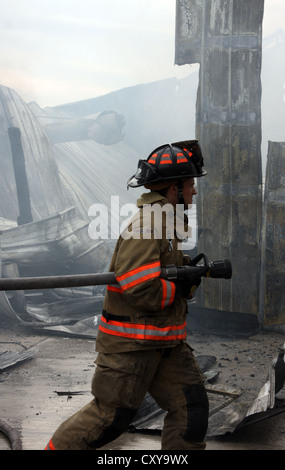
{"points": [[170, 162], [145, 173]]}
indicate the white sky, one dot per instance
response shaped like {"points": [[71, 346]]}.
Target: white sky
{"points": [[60, 51]]}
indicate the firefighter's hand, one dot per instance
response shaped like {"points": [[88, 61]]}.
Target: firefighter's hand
{"points": [[186, 288]]}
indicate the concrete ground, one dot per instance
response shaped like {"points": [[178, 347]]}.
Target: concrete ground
{"points": [[30, 404]]}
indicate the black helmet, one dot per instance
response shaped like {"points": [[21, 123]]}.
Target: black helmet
{"points": [[169, 162]]}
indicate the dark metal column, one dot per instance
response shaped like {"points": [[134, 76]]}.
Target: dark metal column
{"points": [[225, 36], [273, 286]]}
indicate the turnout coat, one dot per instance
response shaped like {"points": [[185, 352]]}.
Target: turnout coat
{"points": [[142, 310]]}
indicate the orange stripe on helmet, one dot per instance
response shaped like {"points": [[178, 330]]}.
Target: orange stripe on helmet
{"points": [[189, 153], [181, 158], [165, 159], [153, 159]]}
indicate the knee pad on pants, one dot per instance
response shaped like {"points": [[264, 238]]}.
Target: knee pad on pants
{"points": [[122, 419], [197, 412]]}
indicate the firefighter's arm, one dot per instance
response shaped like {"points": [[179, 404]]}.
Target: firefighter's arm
{"points": [[137, 272]]}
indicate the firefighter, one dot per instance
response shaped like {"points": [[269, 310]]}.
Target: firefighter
{"points": [[141, 342]]}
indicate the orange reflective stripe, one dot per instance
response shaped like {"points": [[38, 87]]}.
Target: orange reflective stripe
{"points": [[165, 159], [168, 293], [138, 331], [50, 446], [139, 275], [181, 158], [153, 158], [189, 153], [115, 288]]}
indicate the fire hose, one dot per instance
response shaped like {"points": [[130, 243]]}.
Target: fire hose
{"points": [[192, 271]]}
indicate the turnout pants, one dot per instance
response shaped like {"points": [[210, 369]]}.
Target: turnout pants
{"points": [[173, 378]]}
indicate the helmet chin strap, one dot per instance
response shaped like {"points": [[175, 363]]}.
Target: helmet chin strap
{"points": [[180, 193]]}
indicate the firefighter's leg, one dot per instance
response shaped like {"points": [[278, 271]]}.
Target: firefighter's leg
{"points": [[119, 385], [178, 388]]}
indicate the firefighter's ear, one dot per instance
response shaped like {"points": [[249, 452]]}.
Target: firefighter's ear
{"points": [[173, 189]]}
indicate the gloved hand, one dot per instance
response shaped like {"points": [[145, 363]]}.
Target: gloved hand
{"points": [[186, 288]]}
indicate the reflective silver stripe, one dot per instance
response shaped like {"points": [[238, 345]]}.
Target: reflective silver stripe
{"points": [[138, 277], [132, 330], [168, 292], [115, 288], [50, 445]]}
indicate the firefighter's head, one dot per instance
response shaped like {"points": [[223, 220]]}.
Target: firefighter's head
{"points": [[170, 164]]}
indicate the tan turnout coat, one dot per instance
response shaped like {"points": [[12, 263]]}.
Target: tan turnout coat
{"points": [[143, 310]]}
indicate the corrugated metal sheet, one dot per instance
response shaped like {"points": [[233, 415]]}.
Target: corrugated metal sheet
{"points": [[48, 196]]}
